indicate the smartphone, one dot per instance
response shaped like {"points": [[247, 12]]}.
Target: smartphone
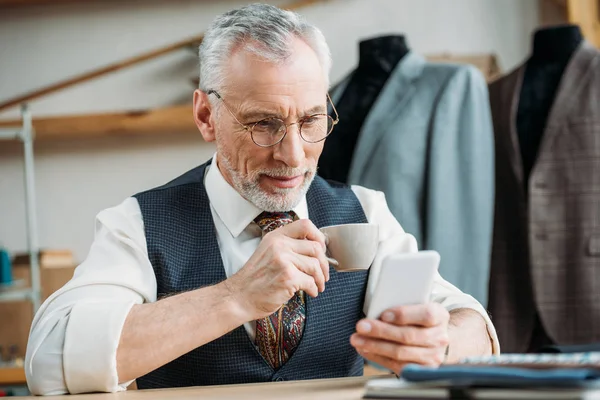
{"points": [[404, 279]]}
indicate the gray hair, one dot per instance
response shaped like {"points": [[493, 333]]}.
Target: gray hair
{"points": [[262, 29]]}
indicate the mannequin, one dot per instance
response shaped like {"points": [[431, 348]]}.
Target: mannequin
{"points": [[377, 59], [552, 50]]}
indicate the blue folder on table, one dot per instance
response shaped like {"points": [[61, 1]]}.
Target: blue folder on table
{"points": [[501, 376]]}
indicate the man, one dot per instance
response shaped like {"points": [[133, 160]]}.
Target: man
{"points": [[184, 284]]}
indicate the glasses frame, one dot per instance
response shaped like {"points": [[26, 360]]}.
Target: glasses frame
{"points": [[249, 127]]}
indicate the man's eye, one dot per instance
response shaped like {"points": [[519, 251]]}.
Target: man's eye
{"points": [[316, 121], [264, 124], [268, 126]]}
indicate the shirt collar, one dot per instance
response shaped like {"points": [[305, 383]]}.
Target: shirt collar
{"points": [[235, 212]]}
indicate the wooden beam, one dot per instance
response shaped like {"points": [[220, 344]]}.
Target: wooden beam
{"points": [[123, 64], [97, 73], [162, 121]]}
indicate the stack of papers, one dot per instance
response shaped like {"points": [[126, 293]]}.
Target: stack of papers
{"points": [[567, 360]]}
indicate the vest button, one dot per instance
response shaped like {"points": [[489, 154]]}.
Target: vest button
{"points": [[279, 379]]}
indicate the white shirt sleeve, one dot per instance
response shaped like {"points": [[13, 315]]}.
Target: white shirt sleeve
{"points": [[393, 239], [74, 336]]}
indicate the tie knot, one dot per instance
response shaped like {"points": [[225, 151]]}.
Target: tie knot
{"points": [[269, 221]]}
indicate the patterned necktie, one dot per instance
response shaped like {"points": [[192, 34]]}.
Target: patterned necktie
{"points": [[278, 335]]}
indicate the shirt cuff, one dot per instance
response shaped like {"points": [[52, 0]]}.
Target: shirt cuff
{"points": [[90, 350]]}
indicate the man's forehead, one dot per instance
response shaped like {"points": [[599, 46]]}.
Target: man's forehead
{"points": [[280, 97], [248, 72]]}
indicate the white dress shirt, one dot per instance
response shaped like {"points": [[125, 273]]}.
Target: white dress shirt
{"points": [[75, 334]]}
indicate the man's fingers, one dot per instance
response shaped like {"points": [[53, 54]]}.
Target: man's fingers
{"points": [[311, 266], [303, 229], [398, 352], [307, 283], [297, 280], [426, 315], [392, 365], [314, 250], [408, 335]]}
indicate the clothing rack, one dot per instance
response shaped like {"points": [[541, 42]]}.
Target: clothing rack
{"points": [[26, 136]]}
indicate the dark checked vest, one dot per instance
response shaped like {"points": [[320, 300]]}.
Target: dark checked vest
{"points": [[183, 249]]}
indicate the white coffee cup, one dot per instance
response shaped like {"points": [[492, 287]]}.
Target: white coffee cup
{"points": [[353, 246]]}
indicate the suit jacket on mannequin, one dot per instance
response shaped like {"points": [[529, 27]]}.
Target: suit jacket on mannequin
{"points": [[427, 143], [546, 253], [377, 59]]}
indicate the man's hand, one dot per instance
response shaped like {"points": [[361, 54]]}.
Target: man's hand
{"points": [[407, 334], [288, 259]]}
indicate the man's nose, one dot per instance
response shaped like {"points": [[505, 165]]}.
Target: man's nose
{"points": [[291, 149]]}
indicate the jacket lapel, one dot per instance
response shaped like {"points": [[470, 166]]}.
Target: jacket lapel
{"points": [[573, 81], [510, 94], [397, 91]]}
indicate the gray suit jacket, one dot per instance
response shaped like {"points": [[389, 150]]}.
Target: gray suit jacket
{"points": [[546, 252], [427, 144]]}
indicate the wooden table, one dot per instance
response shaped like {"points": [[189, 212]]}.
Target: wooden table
{"points": [[322, 389]]}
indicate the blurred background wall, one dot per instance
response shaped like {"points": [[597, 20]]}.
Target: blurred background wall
{"points": [[40, 45]]}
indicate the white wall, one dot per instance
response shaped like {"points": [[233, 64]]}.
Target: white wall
{"points": [[76, 179]]}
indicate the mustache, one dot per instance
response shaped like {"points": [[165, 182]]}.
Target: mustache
{"points": [[284, 171]]}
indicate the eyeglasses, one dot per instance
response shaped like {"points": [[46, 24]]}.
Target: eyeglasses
{"points": [[271, 131]]}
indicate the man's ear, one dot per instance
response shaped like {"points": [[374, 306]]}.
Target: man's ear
{"points": [[202, 115]]}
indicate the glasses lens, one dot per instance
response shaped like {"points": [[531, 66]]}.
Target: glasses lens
{"points": [[268, 131], [316, 128]]}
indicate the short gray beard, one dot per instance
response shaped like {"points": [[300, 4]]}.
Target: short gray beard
{"points": [[280, 201]]}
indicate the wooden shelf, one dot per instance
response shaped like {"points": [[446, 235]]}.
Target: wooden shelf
{"points": [[12, 376], [15, 295], [174, 119]]}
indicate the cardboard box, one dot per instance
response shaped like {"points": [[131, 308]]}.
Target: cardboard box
{"points": [[16, 317]]}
